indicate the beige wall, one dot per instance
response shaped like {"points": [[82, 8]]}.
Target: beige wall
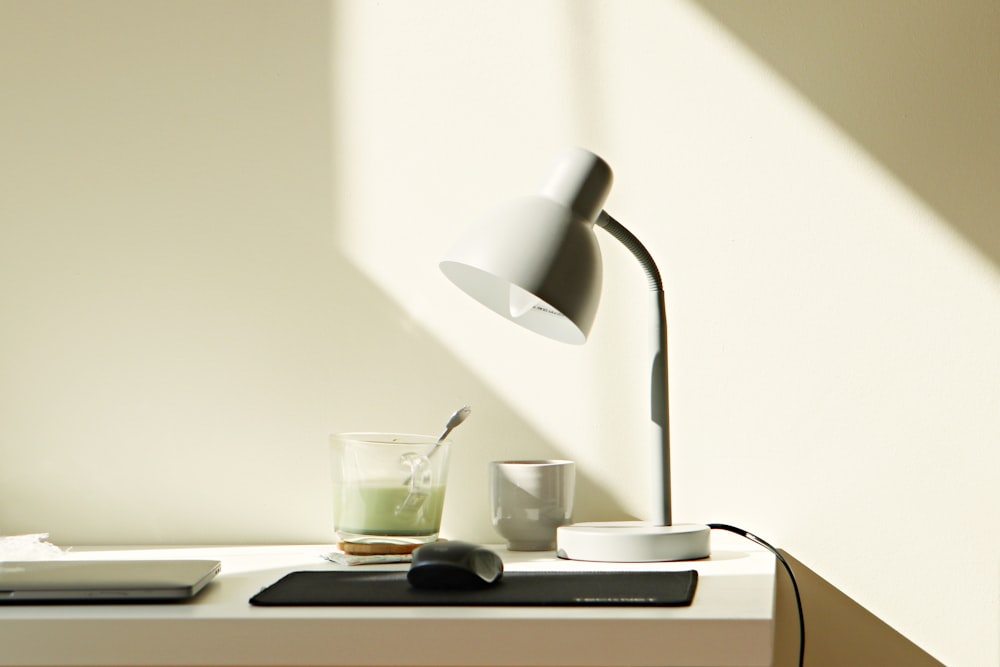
{"points": [[219, 231]]}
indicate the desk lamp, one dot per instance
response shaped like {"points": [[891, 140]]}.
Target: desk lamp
{"points": [[536, 262]]}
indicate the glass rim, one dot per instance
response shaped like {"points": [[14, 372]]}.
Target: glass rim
{"points": [[389, 438]]}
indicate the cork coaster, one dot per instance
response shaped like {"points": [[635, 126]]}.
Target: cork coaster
{"points": [[376, 548]]}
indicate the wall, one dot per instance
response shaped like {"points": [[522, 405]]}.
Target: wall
{"points": [[218, 241], [166, 290]]}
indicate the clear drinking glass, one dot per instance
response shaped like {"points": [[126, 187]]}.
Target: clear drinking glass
{"points": [[388, 488]]}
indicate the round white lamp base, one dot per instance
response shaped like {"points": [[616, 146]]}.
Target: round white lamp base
{"points": [[632, 542]]}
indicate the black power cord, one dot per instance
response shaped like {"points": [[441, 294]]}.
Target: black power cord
{"points": [[788, 568]]}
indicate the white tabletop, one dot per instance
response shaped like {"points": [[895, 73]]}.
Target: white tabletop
{"points": [[730, 622]]}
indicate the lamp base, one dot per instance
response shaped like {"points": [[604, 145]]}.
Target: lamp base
{"points": [[632, 542]]}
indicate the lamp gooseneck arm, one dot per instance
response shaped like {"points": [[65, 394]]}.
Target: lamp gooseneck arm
{"points": [[659, 395]]}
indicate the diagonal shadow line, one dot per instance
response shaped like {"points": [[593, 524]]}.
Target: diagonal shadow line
{"points": [[433, 378], [915, 84]]}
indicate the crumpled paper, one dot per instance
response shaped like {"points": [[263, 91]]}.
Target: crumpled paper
{"points": [[28, 547]]}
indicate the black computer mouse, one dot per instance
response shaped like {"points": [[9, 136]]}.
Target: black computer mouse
{"points": [[454, 565]]}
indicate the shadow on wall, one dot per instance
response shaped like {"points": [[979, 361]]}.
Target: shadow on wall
{"points": [[180, 332], [427, 379], [913, 83], [418, 365], [839, 631]]}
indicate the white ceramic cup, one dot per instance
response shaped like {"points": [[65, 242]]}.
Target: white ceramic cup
{"points": [[530, 499]]}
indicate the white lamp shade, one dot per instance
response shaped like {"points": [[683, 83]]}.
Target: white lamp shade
{"points": [[536, 260]]}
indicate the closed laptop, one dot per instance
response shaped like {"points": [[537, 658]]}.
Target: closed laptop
{"points": [[104, 580]]}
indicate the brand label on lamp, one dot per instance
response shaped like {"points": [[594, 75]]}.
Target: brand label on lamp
{"points": [[547, 310]]}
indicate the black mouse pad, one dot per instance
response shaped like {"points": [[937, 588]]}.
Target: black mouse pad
{"points": [[561, 589]]}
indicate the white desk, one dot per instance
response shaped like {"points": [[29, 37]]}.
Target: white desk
{"points": [[731, 621]]}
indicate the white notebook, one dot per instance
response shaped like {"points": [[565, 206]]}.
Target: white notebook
{"points": [[104, 580]]}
